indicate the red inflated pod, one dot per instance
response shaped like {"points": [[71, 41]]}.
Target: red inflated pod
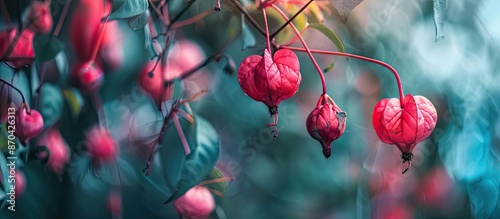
{"points": [[17, 53], [59, 153], [40, 18], [197, 202], [326, 123], [405, 123], [101, 145], [29, 123], [270, 79], [88, 76], [151, 80]]}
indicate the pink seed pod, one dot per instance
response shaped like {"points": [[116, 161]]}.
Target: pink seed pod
{"points": [[270, 79], [326, 123], [404, 124], [58, 149], [151, 80], [88, 76], [22, 53], [40, 17], [101, 145], [198, 202], [29, 123], [186, 55]]}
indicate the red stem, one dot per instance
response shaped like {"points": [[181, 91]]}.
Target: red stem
{"points": [[396, 75], [320, 72], [268, 41], [101, 34]]}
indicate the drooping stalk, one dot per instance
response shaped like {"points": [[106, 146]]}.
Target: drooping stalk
{"points": [[396, 75], [320, 72], [15, 88]]}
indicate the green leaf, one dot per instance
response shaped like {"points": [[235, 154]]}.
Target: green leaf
{"points": [[34, 80], [46, 47], [75, 100], [246, 34], [201, 160], [61, 62], [439, 17], [330, 34], [51, 104], [138, 22], [129, 9]]}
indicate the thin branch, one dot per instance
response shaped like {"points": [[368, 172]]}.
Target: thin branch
{"points": [[291, 19], [192, 20], [248, 16]]}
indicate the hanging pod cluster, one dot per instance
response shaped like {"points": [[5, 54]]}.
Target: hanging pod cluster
{"points": [[403, 122]]}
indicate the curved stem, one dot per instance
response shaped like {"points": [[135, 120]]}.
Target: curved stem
{"points": [[396, 75], [320, 72], [268, 41], [192, 20], [15, 88], [101, 34]]}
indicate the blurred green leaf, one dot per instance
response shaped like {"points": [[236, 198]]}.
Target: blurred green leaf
{"points": [[330, 34], [202, 158], [138, 22], [129, 9], [51, 104], [46, 47], [117, 4], [246, 34], [61, 62], [75, 100], [34, 80]]}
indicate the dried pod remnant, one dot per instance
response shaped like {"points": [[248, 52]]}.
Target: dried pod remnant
{"points": [[404, 123], [326, 123], [270, 79], [197, 202]]}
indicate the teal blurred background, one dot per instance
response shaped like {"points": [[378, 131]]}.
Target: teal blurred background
{"points": [[455, 173]]}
